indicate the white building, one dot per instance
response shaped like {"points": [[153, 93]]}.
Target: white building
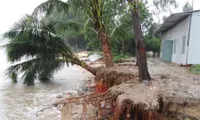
{"points": [[181, 38]]}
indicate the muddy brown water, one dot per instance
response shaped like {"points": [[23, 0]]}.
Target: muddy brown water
{"points": [[19, 102]]}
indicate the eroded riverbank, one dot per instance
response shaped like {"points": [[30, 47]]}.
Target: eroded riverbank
{"points": [[173, 94]]}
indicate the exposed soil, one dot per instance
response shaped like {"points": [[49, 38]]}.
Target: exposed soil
{"points": [[173, 92], [116, 75], [174, 84]]}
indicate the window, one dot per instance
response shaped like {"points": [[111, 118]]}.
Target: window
{"points": [[183, 44], [174, 48]]}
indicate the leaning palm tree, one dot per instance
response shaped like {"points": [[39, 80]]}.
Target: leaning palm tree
{"points": [[95, 10], [45, 51]]}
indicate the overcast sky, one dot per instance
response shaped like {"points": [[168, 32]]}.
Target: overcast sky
{"points": [[12, 10]]}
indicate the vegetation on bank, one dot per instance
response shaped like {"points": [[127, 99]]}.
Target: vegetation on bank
{"points": [[48, 42], [195, 69], [120, 57]]}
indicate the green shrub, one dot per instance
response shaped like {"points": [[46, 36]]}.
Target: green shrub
{"points": [[153, 45], [195, 69], [118, 57]]}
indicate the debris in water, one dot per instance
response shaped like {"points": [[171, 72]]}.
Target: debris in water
{"points": [[94, 57]]}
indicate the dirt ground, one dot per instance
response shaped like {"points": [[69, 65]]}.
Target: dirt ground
{"points": [[174, 84], [170, 82], [175, 80]]}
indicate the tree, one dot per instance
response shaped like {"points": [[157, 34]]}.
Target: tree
{"points": [[151, 40], [140, 45], [122, 34], [96, 11], [120, 31], [71, 27], [165, 5], [164, 18], [153, 44], [187, 7], [45, 51]]}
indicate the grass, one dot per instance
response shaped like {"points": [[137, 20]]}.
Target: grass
{"points": [[195, 69], [119, 57]]}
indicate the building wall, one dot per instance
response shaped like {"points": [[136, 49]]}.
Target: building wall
{"points": [[180, 48], [194, 41]]}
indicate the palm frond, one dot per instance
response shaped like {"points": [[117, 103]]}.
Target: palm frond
{"points": [[13, 70], [14, 77], [42, 69], [47, 71], [30, 76], [38, 41], [51, 5], [39, 67], [32, 41], [71, 25]]}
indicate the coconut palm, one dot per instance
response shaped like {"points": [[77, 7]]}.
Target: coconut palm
{"points": [[95, 10], [45, 51]]}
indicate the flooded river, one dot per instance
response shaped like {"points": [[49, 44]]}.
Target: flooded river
{"points": [[19, 102]]}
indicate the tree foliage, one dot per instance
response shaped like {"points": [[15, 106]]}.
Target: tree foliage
{"points": [[43, 40], [165, 5], [97, 12], [44, 50], [153, 45], [187, 7], [120, 30], [163, 8]]}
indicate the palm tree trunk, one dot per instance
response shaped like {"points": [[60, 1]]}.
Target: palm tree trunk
{"points": [[140, 52], [106, 48], [100, 28], [89, 68], [84, 65]]}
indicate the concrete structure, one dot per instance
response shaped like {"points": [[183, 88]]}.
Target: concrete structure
{"points": [[180, 35]]}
